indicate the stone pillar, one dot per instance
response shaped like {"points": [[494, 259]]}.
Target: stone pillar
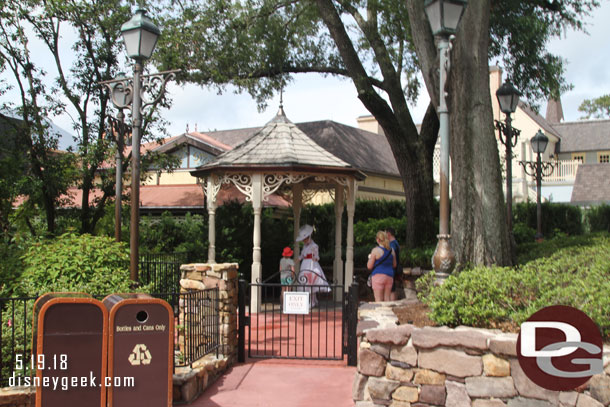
{"points": [[257, 267], [297, 204], [191, 380], [338, 263], [211, 221], [201, 276], [349, 250]]}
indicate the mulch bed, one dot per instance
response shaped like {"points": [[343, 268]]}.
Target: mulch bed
{"points": [[414, 313]]}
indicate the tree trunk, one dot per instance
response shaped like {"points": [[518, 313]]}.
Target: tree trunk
{"points": [[478, 215], [411, 150], [414, 162], [479, 234]]}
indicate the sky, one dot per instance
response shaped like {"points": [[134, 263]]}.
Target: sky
{"points": [[312, 97]]}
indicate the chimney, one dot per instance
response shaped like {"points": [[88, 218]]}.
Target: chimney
{"points": [[554, 111], [369, 123]]}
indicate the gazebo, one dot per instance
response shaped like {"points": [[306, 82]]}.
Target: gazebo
{"points": [[282, 157]]}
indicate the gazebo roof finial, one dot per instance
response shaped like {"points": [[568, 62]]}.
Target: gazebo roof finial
{"points": [[280, 117]]}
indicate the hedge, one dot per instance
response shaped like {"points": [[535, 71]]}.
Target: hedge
{"points": [[577, 274]]}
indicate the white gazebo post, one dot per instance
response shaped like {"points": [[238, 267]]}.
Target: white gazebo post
{"points": [[257, 267], [349, 251], [338, 263], [524, 187], [297, 204], [211, 198]]}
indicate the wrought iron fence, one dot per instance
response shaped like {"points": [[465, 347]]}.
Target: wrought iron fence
{"points": [[197, 333], [15, 337], [162, 271], [198, 325]]}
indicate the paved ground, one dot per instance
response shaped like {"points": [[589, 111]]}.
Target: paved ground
{"points": [[282, 383]]}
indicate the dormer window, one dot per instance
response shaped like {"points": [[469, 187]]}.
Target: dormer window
{"points": [[191, 157]]}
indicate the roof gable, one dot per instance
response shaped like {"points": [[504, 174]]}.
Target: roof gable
{"points": [[201, 141]]}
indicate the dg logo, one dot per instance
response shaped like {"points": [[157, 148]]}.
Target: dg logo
{"points": [[560, 348]]}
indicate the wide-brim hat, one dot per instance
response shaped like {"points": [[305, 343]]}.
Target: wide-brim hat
{"points": [[287, 252], [304, 233]]}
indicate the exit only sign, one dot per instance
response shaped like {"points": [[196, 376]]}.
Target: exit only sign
{"points": [[296, 302]]}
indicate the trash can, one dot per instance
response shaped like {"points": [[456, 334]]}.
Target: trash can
{"points": [[140, 351], [69, 350]]}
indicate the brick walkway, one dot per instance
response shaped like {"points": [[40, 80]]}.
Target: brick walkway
{"points": [[282, 383]]}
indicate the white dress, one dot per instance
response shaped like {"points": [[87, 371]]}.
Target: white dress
{"points": [[311, 273]]}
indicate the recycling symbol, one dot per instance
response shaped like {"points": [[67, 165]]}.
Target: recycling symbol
{"points": [[140, 355]]}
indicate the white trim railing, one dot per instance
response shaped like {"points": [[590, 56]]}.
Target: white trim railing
{"points": [[565, 171]]}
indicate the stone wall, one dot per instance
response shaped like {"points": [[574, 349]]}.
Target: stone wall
{"points": [[17, 397], [405, 366], [191, 381]]}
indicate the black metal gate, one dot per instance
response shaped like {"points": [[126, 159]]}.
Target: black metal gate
{"points": [[325, 331]]}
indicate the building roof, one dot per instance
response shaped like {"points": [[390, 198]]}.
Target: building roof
{"points": [[279, 144], [200, 140], [589, 135], [361, 149], [592, 185], [170, 197]]}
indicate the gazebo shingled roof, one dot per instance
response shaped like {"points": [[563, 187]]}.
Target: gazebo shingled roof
{"points": [[281, 154], [282, 145]]}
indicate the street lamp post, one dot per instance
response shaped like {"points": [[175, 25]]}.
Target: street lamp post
{"points": [[444, 17], [508, 98], [121, 98], [538, 169], [140, 36]]}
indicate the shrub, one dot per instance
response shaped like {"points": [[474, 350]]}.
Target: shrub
{"points": [[70, 262], [531, 250], [365, 231], [598, 218], [523, 233], [556, 217], [171, 234], [418, 257], [11, 266], [575, 275]]}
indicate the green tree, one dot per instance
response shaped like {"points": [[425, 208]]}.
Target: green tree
{"points": [[515, 32], [598, 108], [35, 168], [257, 46], [380, 47], [70, 87]]}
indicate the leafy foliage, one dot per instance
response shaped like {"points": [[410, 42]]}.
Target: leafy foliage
{"points": [[49, 83], [598, 108], [92, 264], [365, 231], [523, 233], [575, 272], [171, 234], [11, 266], [556, 217], [598, 218]]}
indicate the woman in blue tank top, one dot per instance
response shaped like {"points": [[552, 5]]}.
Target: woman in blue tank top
{"points": [[382, 262]]}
